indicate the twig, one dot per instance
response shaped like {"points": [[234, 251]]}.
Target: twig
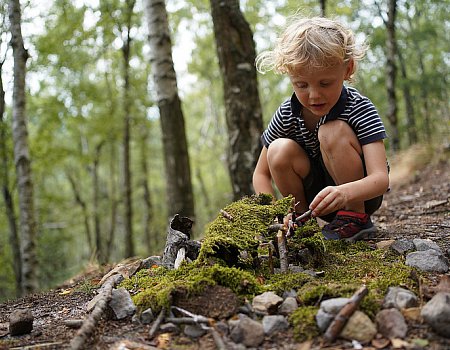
{"points": [[217, 339], [157, 323], [276, 228], [344, 314], [89, 324], [226, 215], [187, 320], [281, 237], [304, 215]]}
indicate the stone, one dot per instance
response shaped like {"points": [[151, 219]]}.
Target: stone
{"points": [[323, 320], [194, 331], [169, 327], [121, 304], [20, 322], [274, 323], [437, 313], [428, 260], [248, 332], [359, 327], [425, 244], [400, 298], [385, 244], [147, 316], [334, 305], [391, 323], [402, 246], [288, 306], [267, 303]]}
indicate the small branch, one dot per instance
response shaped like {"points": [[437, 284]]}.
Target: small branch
{"points": [[281, 237], [344, 314], [89, 324], [157, 323], [187, 320], [226, 215], [276, 228]]}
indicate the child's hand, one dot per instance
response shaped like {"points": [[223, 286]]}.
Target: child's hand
{"points": [[330, 199]]}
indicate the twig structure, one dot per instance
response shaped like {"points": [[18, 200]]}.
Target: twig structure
{"points": [[282, 249], [157, 323]]}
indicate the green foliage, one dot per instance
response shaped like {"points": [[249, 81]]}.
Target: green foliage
{"points": [[304, 323]]}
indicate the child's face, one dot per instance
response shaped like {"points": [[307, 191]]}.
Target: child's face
{"points": [[318, 89]]}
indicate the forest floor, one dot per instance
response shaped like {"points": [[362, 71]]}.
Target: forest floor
{"points": [[417, 206]]}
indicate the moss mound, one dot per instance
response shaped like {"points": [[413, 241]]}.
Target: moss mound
{"points": [[345, 266]]}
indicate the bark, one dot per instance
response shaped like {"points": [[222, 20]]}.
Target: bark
{"points": [[323, 6], [236, 52], [114, 203], [411, 128], [99, 248], [180, 199], [128, 218], [27, 224], [282, 249], [7, 196], [84, 209], [391, 74]]}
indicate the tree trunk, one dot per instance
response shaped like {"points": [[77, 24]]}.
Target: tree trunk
{"points": [[323, 6], [113, 204], [7, 196], [391, 74], [99, 248], [129, 244], [27, 224], [180, 199], [411, 128], [236, 52]]}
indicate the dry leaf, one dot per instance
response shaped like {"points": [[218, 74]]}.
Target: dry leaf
{"points": [[163, 341], [444, 285], [65, 291], [412, 314], [306, 345], [380, 343], [399, 343]]}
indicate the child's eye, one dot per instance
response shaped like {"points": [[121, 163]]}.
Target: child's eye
{"points": [[302, 85], [325, 84]]}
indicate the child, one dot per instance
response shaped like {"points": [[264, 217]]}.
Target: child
{"points": [[324, 145]]}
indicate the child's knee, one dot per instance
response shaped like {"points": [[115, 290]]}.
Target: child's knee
{"points": [[281, 151], [336, 135]]}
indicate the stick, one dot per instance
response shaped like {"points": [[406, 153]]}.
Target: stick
{"points": [[344, 314], [276, 228], [187, 320], [281, 237], [226, 215], [89, 324], [304, 215], [157, 323]]}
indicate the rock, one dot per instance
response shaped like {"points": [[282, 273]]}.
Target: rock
{"points": [[169, 327], [274, 323], [20, 322], [334, 305], [428, 260], [391, 323], [425, 244], [400, 298], [151, 261], [437, 313], [288, 306], [267, 303], [402, 246], [385, 244], [74, 324], [289, 293], [147, 316], [323, 320], [412, 314], [248, 332], [359, 327], [194, 331], [121, 304]]}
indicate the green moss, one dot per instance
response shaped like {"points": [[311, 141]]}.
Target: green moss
{"points": [[304, 323], [279, 283]]}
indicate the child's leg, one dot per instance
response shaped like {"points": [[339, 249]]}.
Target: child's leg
{"points": [[289, 165], [341, 153]]}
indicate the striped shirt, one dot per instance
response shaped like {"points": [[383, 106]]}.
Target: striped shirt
{"points": [[353, 108]]}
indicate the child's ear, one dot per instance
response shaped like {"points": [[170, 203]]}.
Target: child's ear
{"points": [[350, 69]]}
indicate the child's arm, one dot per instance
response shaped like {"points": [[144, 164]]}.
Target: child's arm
{"points": [[262, 179], [376, 183]]}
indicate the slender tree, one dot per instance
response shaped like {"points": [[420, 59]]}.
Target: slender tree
{"points": [[177, 165], [236, 52], [27, 224]]}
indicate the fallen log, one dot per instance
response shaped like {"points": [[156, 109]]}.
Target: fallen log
{"points": [[335, 328]]}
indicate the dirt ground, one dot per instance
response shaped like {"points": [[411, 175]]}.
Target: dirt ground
{"points": [[417, 206]]}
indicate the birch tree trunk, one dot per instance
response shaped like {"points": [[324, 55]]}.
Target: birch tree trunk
{"points": [[27, 224], [180, 198], [236, 52], [7, 196], [391, 74]]}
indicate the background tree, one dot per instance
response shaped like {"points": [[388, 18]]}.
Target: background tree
{"points": [[27, 224], [236, 52], [177, 165]]}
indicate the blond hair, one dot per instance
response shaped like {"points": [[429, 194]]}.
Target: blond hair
{"points": [[312, 43]]}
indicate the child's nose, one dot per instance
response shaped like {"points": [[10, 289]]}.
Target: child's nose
{"points": [[314, 93]]}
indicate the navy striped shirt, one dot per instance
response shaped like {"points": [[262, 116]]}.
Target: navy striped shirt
{"points": [[353, 108]]}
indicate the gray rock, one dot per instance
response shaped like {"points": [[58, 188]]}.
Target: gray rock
{"points": [[399, 298], [267, 303], [20, 322], [428, 260], [248, 332], [147, 316], [334, 305], [391, 323], [288, 306], [121, 304], [323, 320], [425, 244], [169, 327], [289, 293], [437, 313], [402, 246], [151, 261], [274, 323], [194, 331]]}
